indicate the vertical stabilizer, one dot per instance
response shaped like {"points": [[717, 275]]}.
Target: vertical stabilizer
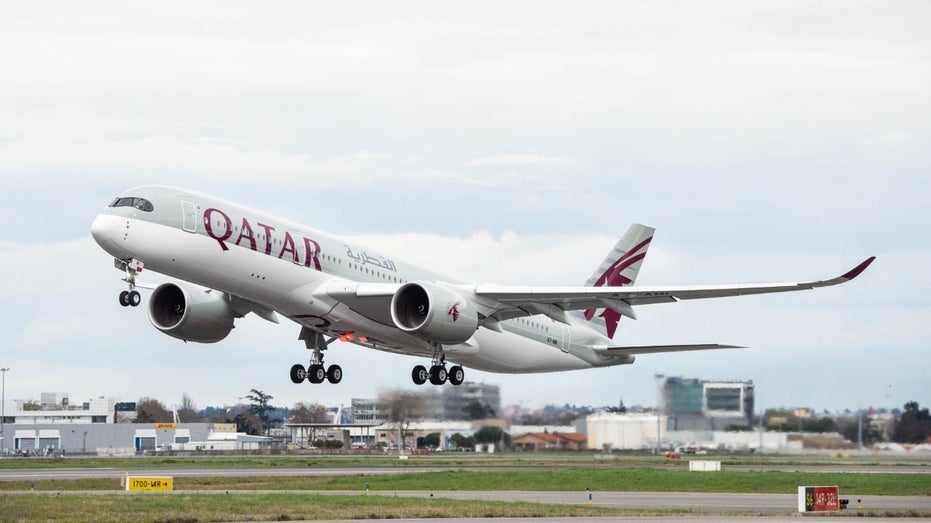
{"points": [[619, 268]]}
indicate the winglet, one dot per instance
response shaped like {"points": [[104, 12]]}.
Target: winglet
{"points": [[853, 273]]}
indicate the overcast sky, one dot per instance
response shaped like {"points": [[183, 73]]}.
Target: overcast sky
{"points": [[506, 142]]}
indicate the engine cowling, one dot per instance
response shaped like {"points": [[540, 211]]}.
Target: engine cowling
{"points": [[433, 312], [190, 313]]}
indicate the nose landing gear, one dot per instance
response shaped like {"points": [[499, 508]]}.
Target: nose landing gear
{"points": [[130, 298], [131, 267]]}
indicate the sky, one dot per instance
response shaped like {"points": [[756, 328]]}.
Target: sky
{"points": [[504, 142]]}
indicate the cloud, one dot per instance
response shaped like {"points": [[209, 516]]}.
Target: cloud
{"points": [[521, 159]]}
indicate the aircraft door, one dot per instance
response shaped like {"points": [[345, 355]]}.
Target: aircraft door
{"points": [[565, 337], [188, 216], [299, 253]]}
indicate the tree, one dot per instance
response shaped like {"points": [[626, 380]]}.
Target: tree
{"points": [[309, 413], [248, 422], [850, 430], [462, 442], [32, 405], [150, 410], [475, 410], [328, 443], [260, 408], [187, 411], [492, 434], [913, 426], [402, 407], [432, 440]]}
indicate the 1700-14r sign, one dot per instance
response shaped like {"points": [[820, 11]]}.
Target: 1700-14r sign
{"points": [[149, 483]]}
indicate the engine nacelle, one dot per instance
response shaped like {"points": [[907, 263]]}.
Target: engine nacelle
{"points": [[190, 313], [433, 312]]}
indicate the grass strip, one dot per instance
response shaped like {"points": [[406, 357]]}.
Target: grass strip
{"points": [[451, 459], [605, 480], [161, 508]]}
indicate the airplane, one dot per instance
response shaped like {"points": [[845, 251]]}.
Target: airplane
{"points": [[230, 260]]}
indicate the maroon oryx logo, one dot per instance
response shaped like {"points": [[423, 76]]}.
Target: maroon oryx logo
{"points": [[454, 310], [612, 277]]}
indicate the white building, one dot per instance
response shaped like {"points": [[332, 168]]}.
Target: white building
{"points": [[57, 409], [624, 431]]}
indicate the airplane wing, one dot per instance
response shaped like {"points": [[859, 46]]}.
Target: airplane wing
{"points": [[554, 301], [652, 349], [500, 302]]}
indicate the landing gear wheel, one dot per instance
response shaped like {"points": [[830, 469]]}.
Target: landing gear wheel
{"points": [[124, 298], [134, 298], [334, 374], [438, 375], [298, 373], [456, 375], [419, 375], [316, 374]]}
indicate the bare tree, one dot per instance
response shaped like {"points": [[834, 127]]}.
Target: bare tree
{"points": [[150, 410], [309, 413], [402, 408], [187, 411]]}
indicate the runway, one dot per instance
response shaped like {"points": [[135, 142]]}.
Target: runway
{"points": [[686, 502]]}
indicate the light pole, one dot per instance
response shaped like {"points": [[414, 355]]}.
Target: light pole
{"points": [[3, 409], [659, 408]]}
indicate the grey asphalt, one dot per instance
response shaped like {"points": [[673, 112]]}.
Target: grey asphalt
{"points": [[699, 503]]}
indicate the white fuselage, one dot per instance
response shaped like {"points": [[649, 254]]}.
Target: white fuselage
{"points": [[289, 268]]}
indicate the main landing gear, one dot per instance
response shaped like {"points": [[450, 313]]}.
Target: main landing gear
{"points": [[438, 374], [130, 298], [316, 372]]}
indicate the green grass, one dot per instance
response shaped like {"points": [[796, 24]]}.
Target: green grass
{"points": [[267, 507], [453, 459], [574, 479]]}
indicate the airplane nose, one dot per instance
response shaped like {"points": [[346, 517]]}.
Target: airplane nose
{"points": [[100, 229], [104, 229], [109, 232]]}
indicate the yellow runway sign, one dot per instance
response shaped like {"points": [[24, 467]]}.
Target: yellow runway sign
{"points": [[149, 483]]}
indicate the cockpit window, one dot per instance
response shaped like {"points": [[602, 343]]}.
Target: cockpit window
{"points": [[140, 203]]}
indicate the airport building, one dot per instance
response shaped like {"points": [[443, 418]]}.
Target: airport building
{"points": [[693, 404], [124, 439], [56, 407], [457, 400], [367, 412]]}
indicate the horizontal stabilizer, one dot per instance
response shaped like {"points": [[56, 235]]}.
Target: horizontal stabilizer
{"points": [[651, 349]]}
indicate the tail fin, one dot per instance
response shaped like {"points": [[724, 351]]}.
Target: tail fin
{"points": [[619, 268]]}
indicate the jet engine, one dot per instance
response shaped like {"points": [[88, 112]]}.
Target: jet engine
{"points": [[191, 313], [433, 312]]}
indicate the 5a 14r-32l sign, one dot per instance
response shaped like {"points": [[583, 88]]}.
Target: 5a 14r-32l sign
{"points": [[818, 499]]}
